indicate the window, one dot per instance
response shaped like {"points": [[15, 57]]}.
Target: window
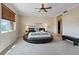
{"points": [[6, 26], [7, 23]]}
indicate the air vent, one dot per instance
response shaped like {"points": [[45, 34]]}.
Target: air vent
{"points": [[65, 11]]}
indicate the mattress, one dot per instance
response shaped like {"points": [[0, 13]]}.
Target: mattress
{"points": [[39, 35]]}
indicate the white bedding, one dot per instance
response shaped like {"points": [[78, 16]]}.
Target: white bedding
{"points": [[39, 34]]}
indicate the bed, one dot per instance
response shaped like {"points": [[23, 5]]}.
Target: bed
{"points": [[38, 37]]}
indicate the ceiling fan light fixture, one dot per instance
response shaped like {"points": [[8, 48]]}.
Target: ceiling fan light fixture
{"points": [[43, 8]]}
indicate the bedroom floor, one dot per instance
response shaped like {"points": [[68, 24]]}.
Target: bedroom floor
{"points": [[56, 47]]}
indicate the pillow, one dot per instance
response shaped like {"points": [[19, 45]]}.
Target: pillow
{"points": [[32, 30]]}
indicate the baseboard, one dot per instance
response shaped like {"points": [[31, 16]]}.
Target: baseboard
{"points": [[9, 47]]}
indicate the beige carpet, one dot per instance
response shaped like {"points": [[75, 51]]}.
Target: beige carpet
{"points": [[56, 47]]}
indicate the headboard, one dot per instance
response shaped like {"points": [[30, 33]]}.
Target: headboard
{"points": [[36, 29]]}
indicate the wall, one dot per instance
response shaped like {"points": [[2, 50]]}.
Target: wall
{"points": [[71, 22], [50, 21], [17, 26], [7, 38]]}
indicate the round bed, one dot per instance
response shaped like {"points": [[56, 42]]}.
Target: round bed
{"points": [[39, 40], [31, 38]]}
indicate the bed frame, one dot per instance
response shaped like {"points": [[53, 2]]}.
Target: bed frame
{"points": [[38, 40]]}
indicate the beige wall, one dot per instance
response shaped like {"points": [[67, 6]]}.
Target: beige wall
{"points": [[50, 21], [7, 38], [17, 26], [71, 22]]}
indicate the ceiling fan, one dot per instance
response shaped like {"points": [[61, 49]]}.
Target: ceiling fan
{"points": [[43, 8]]}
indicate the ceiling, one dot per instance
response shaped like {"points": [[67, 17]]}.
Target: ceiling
{"points": [[28, 9]]}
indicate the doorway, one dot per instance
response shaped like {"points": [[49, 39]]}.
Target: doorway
{"points": [[59, 27]]}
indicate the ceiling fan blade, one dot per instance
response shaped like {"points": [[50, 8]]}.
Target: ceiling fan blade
{"points": [[48, 8], [37, 8], [45, 10]]}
